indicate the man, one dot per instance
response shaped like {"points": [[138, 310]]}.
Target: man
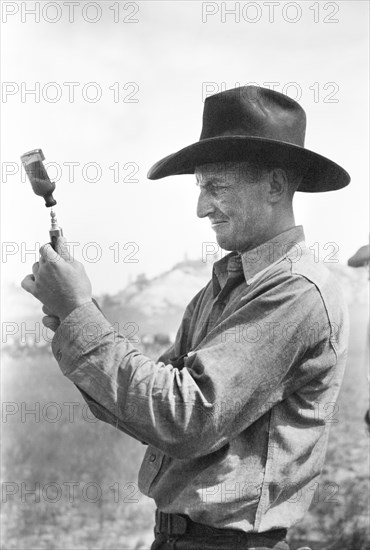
{"points": [[234, 413], [361, 258]]}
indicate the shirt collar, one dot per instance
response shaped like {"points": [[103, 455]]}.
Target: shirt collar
{"points": [[259, 259]]}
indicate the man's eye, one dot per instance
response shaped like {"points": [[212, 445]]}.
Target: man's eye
{"points": [[217, 189], [213, 188]]}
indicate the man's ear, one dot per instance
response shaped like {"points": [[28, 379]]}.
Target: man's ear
{"points": [[279, 184]]}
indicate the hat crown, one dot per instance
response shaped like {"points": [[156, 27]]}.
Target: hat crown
{"points": [[251, 111]]}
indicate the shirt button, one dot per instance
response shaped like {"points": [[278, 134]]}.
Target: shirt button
{"points": [[59, 355], [152, 458]]}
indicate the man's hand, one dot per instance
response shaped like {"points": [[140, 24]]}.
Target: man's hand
{"points": [[50, 321], [58, 281]]}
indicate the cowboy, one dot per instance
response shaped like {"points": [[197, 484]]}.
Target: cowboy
{"points": [[361, 258], [234, 413]]}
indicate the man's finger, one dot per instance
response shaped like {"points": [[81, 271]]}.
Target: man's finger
{"points": [[35, 268], [48, 254], [29, 284], [63, 250], [51, 322]]}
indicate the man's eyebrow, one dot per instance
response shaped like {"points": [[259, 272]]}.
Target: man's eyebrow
{"points": [[214, 181]]}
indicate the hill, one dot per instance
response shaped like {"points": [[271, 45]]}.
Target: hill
{"points": [[154, 306]]}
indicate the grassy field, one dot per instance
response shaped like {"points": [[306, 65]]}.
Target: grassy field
{"points": [[70, 482]]}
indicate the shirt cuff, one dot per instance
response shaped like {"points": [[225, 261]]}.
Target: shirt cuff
{"points": [[81, 330]]}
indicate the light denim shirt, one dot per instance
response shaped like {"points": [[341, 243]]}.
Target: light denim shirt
{"points": [[236, 413]]}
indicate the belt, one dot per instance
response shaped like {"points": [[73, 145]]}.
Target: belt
{"points": [[178, 524]]}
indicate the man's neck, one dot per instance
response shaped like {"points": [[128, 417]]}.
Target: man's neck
{"points": [[270, 234]]}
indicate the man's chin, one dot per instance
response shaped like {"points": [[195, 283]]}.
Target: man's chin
{"points": [[225, 243], [224, 236]]}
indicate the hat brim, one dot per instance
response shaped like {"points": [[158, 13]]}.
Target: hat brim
{"points": [[319, 174]]}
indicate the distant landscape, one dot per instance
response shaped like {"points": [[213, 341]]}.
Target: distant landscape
{"points": [[70, 482]]}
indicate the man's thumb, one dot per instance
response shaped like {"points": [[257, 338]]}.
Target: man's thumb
{"points": [[62, 249]]}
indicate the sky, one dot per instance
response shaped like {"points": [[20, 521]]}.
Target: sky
{"points": [[119, 85]]}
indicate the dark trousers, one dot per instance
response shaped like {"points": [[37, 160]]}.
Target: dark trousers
{"points": [[174, 532], [185, 542]]}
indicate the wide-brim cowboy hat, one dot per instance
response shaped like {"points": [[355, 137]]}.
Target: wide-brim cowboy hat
{"points": [[260, 125]]}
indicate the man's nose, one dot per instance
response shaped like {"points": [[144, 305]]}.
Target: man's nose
{"points": [[205, 206]]}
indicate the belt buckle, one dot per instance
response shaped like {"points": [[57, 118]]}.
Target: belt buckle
{"points": [[177, 525], [171, 524]]}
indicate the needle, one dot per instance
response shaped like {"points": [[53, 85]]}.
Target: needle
{"points": [[54, 221]]}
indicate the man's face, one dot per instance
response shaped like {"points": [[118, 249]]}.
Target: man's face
{"points": [[234, 199]]}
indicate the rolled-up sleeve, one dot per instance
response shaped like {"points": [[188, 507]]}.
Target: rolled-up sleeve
{"points": [[239, 372]]}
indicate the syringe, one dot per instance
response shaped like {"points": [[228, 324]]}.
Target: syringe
{"points": [[55, 230]]}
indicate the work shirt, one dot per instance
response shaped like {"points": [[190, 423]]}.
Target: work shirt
{"points": [[236, 413]]}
